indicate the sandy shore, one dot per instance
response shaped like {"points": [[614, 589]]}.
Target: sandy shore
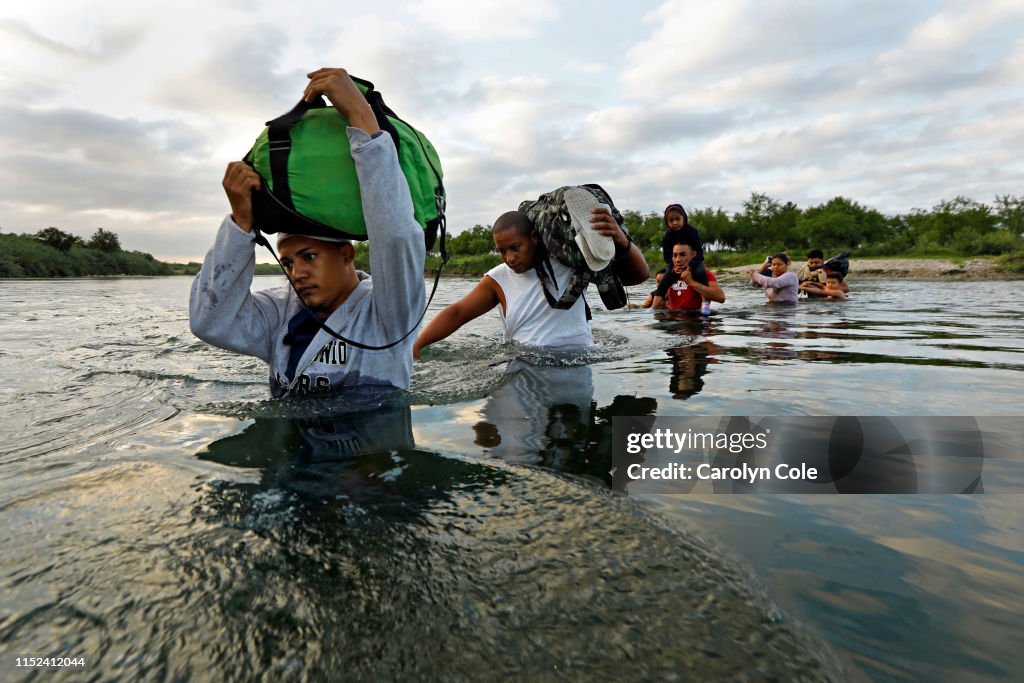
{"points": [[971, 269]]}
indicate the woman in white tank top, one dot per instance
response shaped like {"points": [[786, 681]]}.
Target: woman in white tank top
{"points": [[527, 316], [516, 289]]}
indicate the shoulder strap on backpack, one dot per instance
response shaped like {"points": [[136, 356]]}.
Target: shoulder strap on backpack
{"points": [[280, 140], [578, 282], [259, 238]]}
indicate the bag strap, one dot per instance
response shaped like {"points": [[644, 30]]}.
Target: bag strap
{"points": [[280, 146], [543, 277], [279, 137], [384, 114], [381, 111], [567, 300], [259, 238]]}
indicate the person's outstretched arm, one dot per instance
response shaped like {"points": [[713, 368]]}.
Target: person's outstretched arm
{"points": [[787, 279], [483, 298], [834, 293]]}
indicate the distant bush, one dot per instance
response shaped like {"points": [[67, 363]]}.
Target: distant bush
{"points": [[476, 240], [960, 226], [104, 240], [58, 239], [474, 265], [29, 256], [1011, 264], [953, 228]]}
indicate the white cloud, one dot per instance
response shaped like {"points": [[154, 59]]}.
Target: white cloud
{"points": [[626, 129], [241, 79], [585, 68], [414, 75], [485, 20], [959, 27], [108, 42], [741, 49], [686, 36], [122, 115]]}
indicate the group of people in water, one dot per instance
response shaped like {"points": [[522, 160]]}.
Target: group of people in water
{"points": [[335, 327], [685, 284], [780, 284]]}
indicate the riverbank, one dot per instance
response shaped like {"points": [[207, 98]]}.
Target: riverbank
{"points": [[924, 269]]}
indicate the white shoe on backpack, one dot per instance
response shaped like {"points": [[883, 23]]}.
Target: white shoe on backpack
{"points": [[598, 250]]}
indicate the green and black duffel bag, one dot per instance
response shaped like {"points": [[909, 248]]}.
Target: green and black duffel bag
{"points": [[309, 178]]}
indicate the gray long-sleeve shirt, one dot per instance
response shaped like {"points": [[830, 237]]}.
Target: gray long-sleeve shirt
{"points": [[784, 289], [224, 312]]}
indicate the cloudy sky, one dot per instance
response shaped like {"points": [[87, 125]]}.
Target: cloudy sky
{"points": [[123, 115]]}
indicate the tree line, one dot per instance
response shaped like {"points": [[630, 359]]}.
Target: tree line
{"points": [[51, 252], [957, 227], [954, 228]]}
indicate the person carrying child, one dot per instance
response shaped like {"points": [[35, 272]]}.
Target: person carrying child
{"points": [[679, 231], [687, 294], [812, 271]]}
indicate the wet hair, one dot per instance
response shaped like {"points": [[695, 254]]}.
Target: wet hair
{"points": [[513, 220], [782, 256], [815, 253], [661, 272], [838, 277]]}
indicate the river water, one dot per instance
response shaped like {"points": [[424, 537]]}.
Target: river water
{"points": [[165, 520]]}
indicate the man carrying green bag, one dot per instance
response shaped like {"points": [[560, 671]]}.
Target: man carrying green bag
{"points": [[284, 326], [310, 179]]}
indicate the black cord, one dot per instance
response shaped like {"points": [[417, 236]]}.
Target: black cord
{"points": [[260, 239], [439, 198]]}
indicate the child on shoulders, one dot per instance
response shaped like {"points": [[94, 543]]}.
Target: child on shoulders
{"points": [[679, 231]]}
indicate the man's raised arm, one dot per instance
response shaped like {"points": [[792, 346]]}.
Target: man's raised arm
{"points": [[397, 250]]}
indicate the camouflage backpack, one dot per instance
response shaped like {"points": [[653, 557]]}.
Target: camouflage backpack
{"points": [[551, 220]]}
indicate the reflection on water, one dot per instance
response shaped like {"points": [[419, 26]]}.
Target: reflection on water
{"points": [[354, 553], [269, 441], [915, 587], [777, 331], [165, 519], [689, 365], [539, 415], [545, 415]]}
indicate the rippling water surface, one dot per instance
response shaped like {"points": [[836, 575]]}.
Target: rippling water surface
{"points": [[165, 519]]}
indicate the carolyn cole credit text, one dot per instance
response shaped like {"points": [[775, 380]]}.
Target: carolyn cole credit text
{"points": [[652, 454]]}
